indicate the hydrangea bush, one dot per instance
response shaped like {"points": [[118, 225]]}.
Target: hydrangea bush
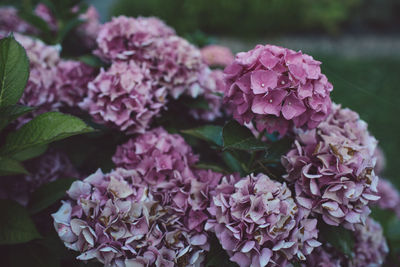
{"points": [[193, 157]]}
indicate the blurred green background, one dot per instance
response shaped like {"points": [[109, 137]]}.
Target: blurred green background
{"points": [[358, 42]]}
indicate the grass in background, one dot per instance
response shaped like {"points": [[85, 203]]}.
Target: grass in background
{"points": [[372, 88]]}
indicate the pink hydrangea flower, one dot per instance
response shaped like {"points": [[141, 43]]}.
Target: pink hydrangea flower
{"points": [[211, 81], [370, 249], [177, 65], [72, 81], [166, 163], [89, 30], [389, 196], [45, 14], [277, 88], [332, 168], [115, 219], [380, 161], [123, 97], [124, 37], [258, 222], [217, 55], [44, 169], [11, 22]]}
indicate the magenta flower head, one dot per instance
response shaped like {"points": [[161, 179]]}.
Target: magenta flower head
{"points": [[177, 65], [389, 196], [157, 156], [72, 81], [212, 84], [11, 22], [258, 222], [115, 219], [332, 168], [370, 249], [124, 37], [89, 30], [277, 88], [123, 97], [166, 163], [217, 55]]}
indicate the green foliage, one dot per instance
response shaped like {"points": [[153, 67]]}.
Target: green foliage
{"points": [[10, 113], [11, 167], [340, 238], [209, 133], [48, 194], [243, 17], [15, 226], [14, 71], [43, 129], [236, 136]]}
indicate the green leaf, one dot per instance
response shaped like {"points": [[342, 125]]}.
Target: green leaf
{"points": [[91, 60], [236, 136], [34, 20], [35, 254], [30, 153], [340, 238], [44, 129], [15, 226], [11, 167], [10, 113], [209, 133], [232, 162], [48, 194], [14, 71]]}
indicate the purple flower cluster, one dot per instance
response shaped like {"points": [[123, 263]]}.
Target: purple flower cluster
{"points": [[113, 217], [162, 64], [124, 37], [212, 84], [88, 31], [277, 88], [151, 212], [123, 97], [72, 81], [389, 196], [44, 169], [332, 168], [11, 22], [258, 222], [370, 249]]}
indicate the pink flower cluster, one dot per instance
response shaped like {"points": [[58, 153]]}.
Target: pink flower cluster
{"points": [[389, 196], [169, 67], [44, 169], [370, 249], [217, 55], [88, 31], [151, 212], [123, 97], [332, 168], [211, 81], [11, 22], [277, 88], [258, 222]]}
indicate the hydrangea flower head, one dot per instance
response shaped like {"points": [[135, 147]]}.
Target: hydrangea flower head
{"points": [[123, 97], [72, 81], [332, 168], [258, 222], [370, 249], [389, 196], [211, 81], [123, 37], [277, 88], [11, 22], [114, 218], [217, 55]]}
